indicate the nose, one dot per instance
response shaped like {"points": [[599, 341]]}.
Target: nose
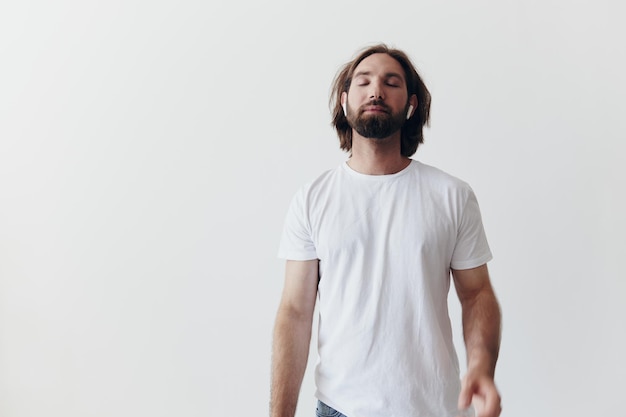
{"points": [[376, 92]]}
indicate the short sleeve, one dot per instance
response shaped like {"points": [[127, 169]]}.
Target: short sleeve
{"points": [[296, 243], [471, 249]]}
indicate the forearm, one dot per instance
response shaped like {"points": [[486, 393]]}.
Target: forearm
{"points": [[481, 330], [292, 337]]}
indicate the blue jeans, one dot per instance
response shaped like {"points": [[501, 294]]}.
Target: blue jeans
{"points": [[324, 410]]}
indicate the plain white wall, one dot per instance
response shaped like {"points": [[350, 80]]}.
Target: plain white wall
{"points": [[149, 150]]}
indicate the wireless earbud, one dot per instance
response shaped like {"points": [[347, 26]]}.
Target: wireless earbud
{"points": [[408, 113], [345, 110]]}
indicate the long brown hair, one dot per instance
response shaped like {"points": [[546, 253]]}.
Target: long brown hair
{"points": [[412, 131]]}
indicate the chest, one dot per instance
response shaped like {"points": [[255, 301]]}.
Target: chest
{"points": [[393, 219]]}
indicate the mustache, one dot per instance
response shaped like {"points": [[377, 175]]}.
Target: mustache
{"points": [[375, 102]]}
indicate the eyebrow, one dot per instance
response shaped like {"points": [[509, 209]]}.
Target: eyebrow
{"points": [[387, 75]]}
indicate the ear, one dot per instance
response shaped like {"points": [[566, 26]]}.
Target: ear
{"points": [[412, 106], [344, 103]]}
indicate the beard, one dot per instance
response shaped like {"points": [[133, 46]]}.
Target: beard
{"points": [[376, 126]]}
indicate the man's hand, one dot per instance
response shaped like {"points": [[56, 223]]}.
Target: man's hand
{"points": [[479, 389], [481, 329], [292, 335]]}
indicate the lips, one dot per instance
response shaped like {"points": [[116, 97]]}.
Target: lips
{"points": [[375, 109]]}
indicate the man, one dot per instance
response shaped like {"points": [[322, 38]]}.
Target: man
{"points": [[375, 241]]}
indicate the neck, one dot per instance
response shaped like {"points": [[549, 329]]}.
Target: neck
{"points": [[377, 156]]}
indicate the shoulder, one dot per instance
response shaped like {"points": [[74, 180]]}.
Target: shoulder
{"points": [[312, 191], [436, 178], [321, 183]]}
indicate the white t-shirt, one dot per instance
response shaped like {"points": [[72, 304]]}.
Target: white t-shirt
{"points": [[385, 245]]}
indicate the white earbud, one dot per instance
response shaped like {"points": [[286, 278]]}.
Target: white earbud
{"points": [[408, 113], [345, 110]]}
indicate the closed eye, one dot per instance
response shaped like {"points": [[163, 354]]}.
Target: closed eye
{"points": [[394, 81]]}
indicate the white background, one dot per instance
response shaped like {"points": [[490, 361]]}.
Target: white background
{"points": [[149, 150]]}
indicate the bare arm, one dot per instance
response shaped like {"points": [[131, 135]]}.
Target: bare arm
{"points": [[292, 335], [481, 330]]}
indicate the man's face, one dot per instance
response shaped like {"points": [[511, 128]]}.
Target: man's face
{"points": [[377, 100]]}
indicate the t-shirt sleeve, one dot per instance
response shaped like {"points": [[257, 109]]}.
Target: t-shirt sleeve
{"points": [[471, 249], [296, 242]]}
